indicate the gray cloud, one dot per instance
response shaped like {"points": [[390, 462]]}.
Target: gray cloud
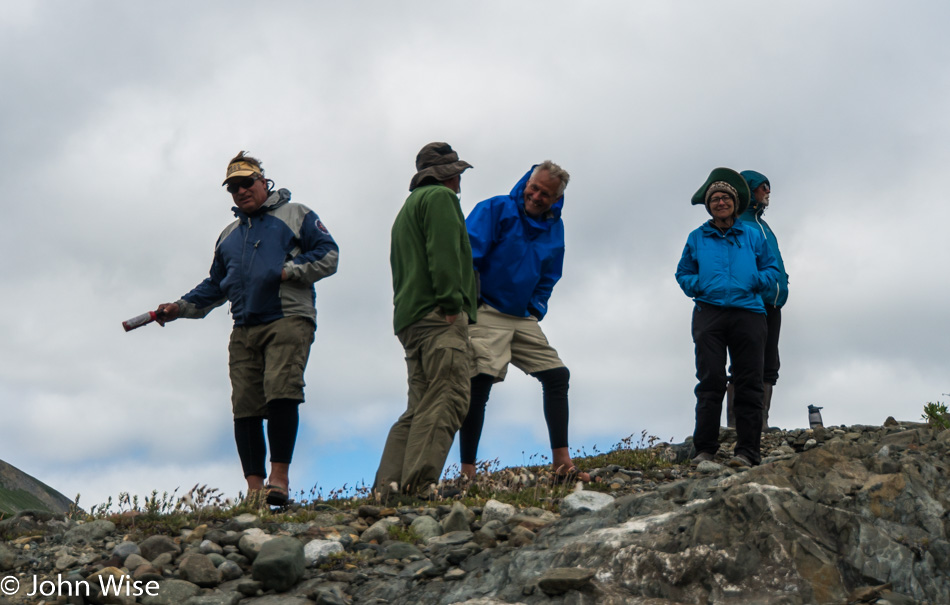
{"points": [[119, 119]]}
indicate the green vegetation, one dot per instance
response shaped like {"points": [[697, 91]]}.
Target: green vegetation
{"points": [[401, 534], [633, 452], [13, 500], [533, 485], [935, 414]]}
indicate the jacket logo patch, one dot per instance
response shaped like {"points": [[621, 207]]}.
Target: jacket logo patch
{"points": [[321, 227]]}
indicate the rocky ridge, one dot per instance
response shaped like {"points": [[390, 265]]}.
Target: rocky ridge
{"points": [[842, 515]]}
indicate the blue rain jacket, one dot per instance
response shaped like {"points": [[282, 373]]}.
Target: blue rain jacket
{"points": [[727, 270], [518, 258], [753, 214]]}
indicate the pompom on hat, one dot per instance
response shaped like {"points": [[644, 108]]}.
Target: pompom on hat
{"points": [[439, 161], [728, 181]]}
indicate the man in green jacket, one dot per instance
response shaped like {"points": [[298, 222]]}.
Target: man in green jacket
{"points": [[434, 296]]}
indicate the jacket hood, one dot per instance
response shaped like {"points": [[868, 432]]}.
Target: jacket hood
{"points": [[517, 194], [275, 200], [754, 179]]}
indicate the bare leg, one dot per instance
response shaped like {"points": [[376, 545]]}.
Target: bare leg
{"points": [[279, 475], [468, 470]]}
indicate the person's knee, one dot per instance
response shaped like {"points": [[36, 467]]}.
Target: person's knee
{"points": [[554, 378]]}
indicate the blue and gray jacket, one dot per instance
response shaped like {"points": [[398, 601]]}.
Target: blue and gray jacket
{"points": [[753, 214], [248, 260], [518, 258], [732, 269]]}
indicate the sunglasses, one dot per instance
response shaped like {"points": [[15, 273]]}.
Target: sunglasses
{"points": [[235, 185]]}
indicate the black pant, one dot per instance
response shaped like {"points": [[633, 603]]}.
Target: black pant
{"points": [[282, 423], [741, 333], [774, 321], [554, 385]]}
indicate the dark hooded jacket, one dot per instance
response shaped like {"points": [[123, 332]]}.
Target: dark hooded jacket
{"points": [[777, 296], [519, 258]]}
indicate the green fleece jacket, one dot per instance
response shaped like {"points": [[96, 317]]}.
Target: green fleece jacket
{"points": [[431, 257]]}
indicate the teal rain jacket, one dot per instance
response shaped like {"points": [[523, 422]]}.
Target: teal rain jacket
{"points": [[753, 214], [727, 270], [518, 258]]}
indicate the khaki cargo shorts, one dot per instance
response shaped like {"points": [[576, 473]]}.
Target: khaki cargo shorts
{"points": [[267, 362], [500, 339]]}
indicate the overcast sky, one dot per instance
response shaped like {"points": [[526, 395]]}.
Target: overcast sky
{"points": [[118, 119]]}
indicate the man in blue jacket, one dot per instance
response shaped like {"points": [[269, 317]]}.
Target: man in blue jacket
{"points": [[265, 263], [774, 300], [518, 251]]}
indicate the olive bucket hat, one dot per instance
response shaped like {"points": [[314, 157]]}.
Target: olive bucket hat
{"points": [[438, 161], [729, 177]]}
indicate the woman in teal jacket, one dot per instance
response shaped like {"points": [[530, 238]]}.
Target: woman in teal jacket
{"points": [[726, 267]]}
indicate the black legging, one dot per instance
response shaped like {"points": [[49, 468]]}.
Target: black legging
{"points": [[554, 384], [283, 420]]}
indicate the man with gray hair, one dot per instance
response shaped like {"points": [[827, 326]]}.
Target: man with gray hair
{"points": [[434, 297], [518, 250]]}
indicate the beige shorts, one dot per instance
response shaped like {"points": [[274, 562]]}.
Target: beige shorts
{"points": [[267, 362], [500, 339]]}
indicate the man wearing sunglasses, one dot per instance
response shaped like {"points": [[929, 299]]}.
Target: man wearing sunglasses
{"points": [[265, 264]]}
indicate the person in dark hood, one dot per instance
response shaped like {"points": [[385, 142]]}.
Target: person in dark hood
{"points": [[725, 268], [774, 300], [265, 264], [518, 250]]}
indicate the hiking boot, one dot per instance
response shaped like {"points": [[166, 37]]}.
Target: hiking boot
{"points": [[702, 457], [739, 461]]}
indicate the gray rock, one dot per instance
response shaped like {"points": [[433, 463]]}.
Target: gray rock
{"points": [[280, 564], [221, 598], [424, 568], [490, 529], [379, 531], [400, 550], [244, 522], [497, 511], [458, 519], [123, 549], [252, 541], [216, 559], [584, 501], [426, 527], [330, 594], [133, 561], [708, 466], [89, 532], [451, 539], [153, 546], [7, 557], [199, 569], [62, 562], [230, 571], [317, 551], [171, 592], [208, 547], [278, 599], [562, 579], [521, 536]]}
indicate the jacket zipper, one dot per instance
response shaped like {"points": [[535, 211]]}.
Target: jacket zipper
{"points": [[778, 290]]}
